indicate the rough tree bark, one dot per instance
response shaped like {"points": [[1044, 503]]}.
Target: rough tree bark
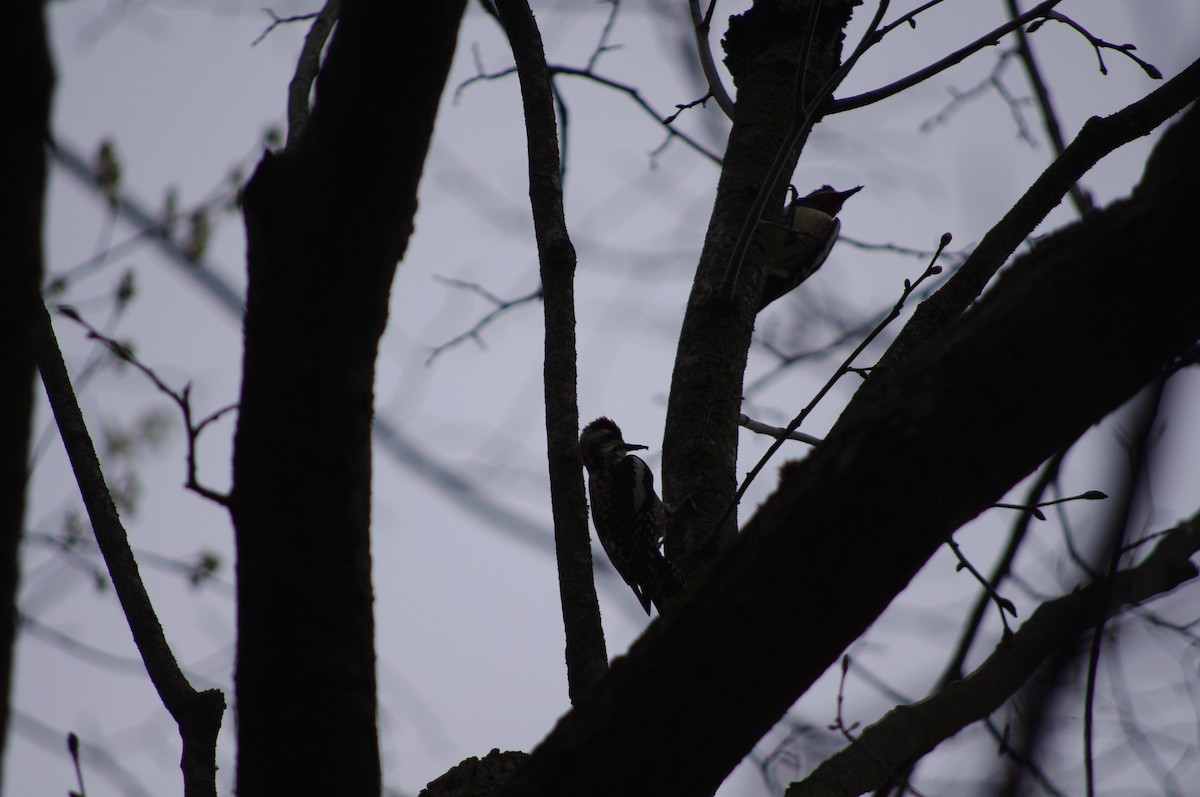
{"points": [[586, 654], [964, 418], [767, 48], [327, 219], [28, 86]]}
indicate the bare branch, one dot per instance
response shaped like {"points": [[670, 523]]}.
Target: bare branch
{"points": [[845, 368], [630, 91], [501, 306], [307, 67], [1081, 198], [908, 732], [182, 400], [1036, 509], [198, 714], [847, 732], [716, 87], [586, 655], [1098, 138], [776, 431], [1100, 45], [1005, 606], [1146, 413], [990, 39], [602, 45], [993, 83]]}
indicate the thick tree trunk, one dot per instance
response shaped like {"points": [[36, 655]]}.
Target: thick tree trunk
{"points": [[327, 220], [1074, 329], [766, 47], [27, 87]]}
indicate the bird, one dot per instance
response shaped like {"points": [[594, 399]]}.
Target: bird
{"points": [[812, 228], [629, 517]]}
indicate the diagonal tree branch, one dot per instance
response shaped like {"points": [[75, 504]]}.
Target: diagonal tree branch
{"points": [[989, 39], [1079, 196], [908, 732], [1039, 359], [1098, 138], [198, 714]]}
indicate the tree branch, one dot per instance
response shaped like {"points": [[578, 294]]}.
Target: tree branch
{"points": [[989, 39], [1079, 196], [909, 732], [1040, 359], [716, 87], [1098, 138], [198, 714], [587, 658], [307, 67], [182, 399]]}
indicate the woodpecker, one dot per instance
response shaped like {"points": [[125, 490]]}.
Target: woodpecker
{"points": [[812, 228], [627, 513]]}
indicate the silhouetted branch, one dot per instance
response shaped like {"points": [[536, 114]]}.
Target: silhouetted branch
{"points": [[501, 306], [908, 732], [307, 67], [630, 91], [701, 25], [587, 658], [198, 714], [989, 39], [845, 368], [182, 400], [776, 431], [1098, 138], [1081, 198]]}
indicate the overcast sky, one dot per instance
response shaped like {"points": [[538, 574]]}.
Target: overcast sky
{"points": [[469, 627]]}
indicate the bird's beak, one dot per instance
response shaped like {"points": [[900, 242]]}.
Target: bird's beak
{"points": [[844, 195], [635, 447]]}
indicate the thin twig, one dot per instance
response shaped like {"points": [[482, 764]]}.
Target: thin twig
{"points": [[1139, 456], [701, 25], [1000, 571], [991, 82], [182, 399], [73, 749], [501, 307], [1004, 605], [989, 39], [844, 369], [602, 45], [1099, 45], [847, 733], [909, 732], [277, 20], [1079, 196], [630, 91], [1036, 509], [777, 431]]}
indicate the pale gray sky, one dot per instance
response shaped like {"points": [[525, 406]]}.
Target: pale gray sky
{"points": [[469, 625]]}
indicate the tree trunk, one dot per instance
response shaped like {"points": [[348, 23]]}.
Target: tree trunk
{"points": [[768, 51], [1074, 330], [327, 219], [30, 81]]}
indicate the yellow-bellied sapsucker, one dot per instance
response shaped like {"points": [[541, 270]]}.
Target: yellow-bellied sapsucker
{"points": [[812, 228], [629, 517]]}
